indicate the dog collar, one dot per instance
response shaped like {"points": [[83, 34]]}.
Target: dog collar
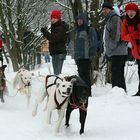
{"points": [[59, 105]]}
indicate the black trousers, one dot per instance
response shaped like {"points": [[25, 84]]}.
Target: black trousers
{"points": [[84, 68], [138, 62], [117, 69]]}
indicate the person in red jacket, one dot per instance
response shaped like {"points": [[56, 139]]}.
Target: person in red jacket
{"points": [[1, 45], [130, 32]]}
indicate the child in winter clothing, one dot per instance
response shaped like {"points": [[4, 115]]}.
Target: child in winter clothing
{"points": [[131, 33]]}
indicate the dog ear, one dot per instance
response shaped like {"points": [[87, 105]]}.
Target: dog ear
{"points": [[58, 82], [4, 66], [21, 74], [57, 85], [73, 80]]}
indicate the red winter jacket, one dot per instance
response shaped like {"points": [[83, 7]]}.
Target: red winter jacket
{"points": [[129, 34], [1, 44]]}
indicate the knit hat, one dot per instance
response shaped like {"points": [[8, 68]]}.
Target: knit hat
{"points": [[107, 5], [56, 14], [131, 6]]}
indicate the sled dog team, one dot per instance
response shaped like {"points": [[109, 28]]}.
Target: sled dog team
{"points": [[62, 93], [66, 93]]}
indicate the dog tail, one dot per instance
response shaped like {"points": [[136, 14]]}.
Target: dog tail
{"points": [[15, 81]]}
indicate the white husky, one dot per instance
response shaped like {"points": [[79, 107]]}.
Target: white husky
{"points": [[23, 81], [57, 92]]}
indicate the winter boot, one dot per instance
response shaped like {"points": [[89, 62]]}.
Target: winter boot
{"points": [[137, 94]]}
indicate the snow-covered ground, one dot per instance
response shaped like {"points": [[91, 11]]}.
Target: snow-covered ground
{"points": [[112, 114]]}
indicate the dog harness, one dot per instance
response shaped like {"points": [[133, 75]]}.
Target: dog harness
{"points": [[47, 86], [26, 85], [76, 106], [57, 104]]}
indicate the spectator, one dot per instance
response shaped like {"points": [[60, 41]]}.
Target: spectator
{"points": [[1, 44], [131, 33], [45, 50], [115, 49], [57, 40], [85, 48]]}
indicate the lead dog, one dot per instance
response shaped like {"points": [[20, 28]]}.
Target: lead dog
{"points": [[23, 81], [57, 92], [78, 100]]}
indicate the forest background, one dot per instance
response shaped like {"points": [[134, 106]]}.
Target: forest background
{"points": [[19, 16]]}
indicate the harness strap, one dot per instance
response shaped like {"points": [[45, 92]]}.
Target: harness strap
{"points": [[25, 85], [47, 86], [75, 106], [57, 104]]}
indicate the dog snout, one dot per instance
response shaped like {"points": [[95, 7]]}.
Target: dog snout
{"points": [[68, 90], [29, 83]]}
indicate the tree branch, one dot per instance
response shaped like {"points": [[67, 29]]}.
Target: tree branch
{"points": [[63, 5]]}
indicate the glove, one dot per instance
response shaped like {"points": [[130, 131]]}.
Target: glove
{"points": [[44, 31], [129, 45]]}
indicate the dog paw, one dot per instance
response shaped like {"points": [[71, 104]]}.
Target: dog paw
{"points": [[34, 113], [81, 132], [2, 100], [67, 125], [57, 130]]}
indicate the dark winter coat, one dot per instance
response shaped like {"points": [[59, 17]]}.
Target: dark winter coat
{"points": [[112, 35], [85, 41], [57, 38]]}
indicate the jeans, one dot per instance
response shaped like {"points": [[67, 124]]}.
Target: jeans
{"points": [[57, 62], [47, 57]]}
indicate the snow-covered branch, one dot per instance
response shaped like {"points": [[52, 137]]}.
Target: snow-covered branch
{"points": [[63, 5]]}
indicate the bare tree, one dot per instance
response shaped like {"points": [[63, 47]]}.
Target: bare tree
{"points": [[15, 17]]}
